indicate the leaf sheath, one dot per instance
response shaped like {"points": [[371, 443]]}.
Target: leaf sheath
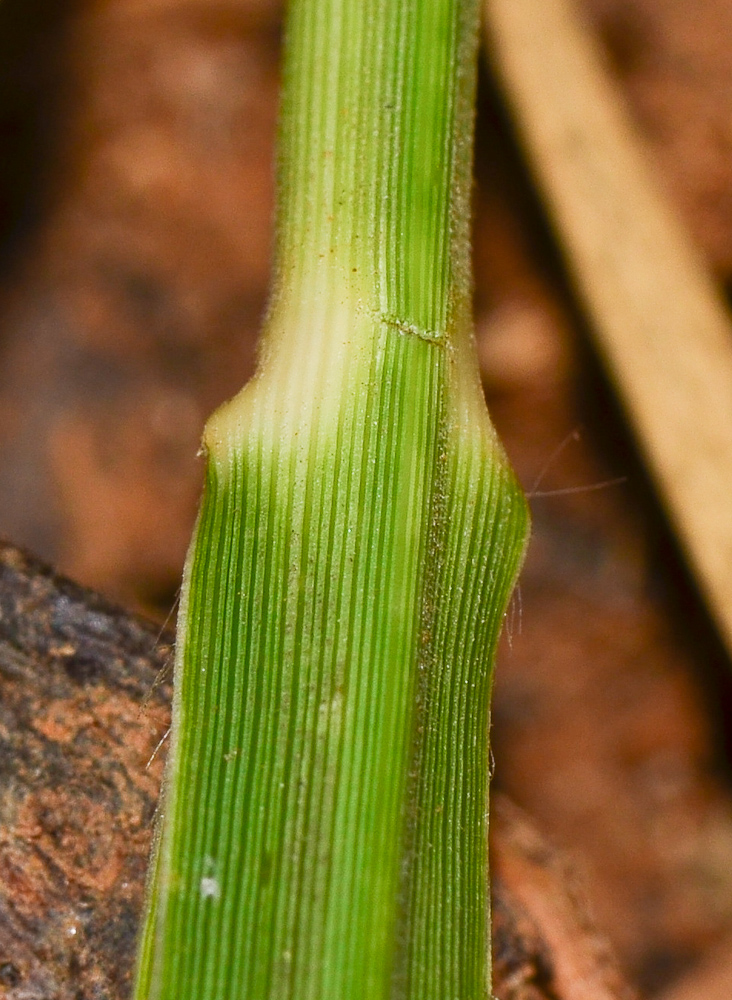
{"points": [[325, 809]]}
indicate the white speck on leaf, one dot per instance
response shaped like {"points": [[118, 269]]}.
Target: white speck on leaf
{"points": [[210, 888]]}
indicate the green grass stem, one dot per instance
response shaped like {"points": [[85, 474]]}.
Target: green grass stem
{"points": [[324, 822]]}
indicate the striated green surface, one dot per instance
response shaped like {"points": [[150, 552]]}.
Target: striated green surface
{"points": [[324, 832]]}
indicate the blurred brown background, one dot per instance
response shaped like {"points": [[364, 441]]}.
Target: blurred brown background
{"points": [[136, 192]]}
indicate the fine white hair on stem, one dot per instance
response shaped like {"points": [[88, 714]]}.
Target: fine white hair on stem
{"points": [[157, 749]]}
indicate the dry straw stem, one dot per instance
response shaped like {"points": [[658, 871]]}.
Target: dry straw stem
{"points": [[325, 808], [659, 320]]}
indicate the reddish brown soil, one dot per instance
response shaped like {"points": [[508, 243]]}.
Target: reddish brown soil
{"points": [[133, 286]]}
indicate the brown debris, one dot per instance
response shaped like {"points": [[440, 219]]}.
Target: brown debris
{"points": [[556, 950], [82, 713]]}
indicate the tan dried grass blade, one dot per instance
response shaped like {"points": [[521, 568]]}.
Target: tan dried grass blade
{"points": [[659, 320]]}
